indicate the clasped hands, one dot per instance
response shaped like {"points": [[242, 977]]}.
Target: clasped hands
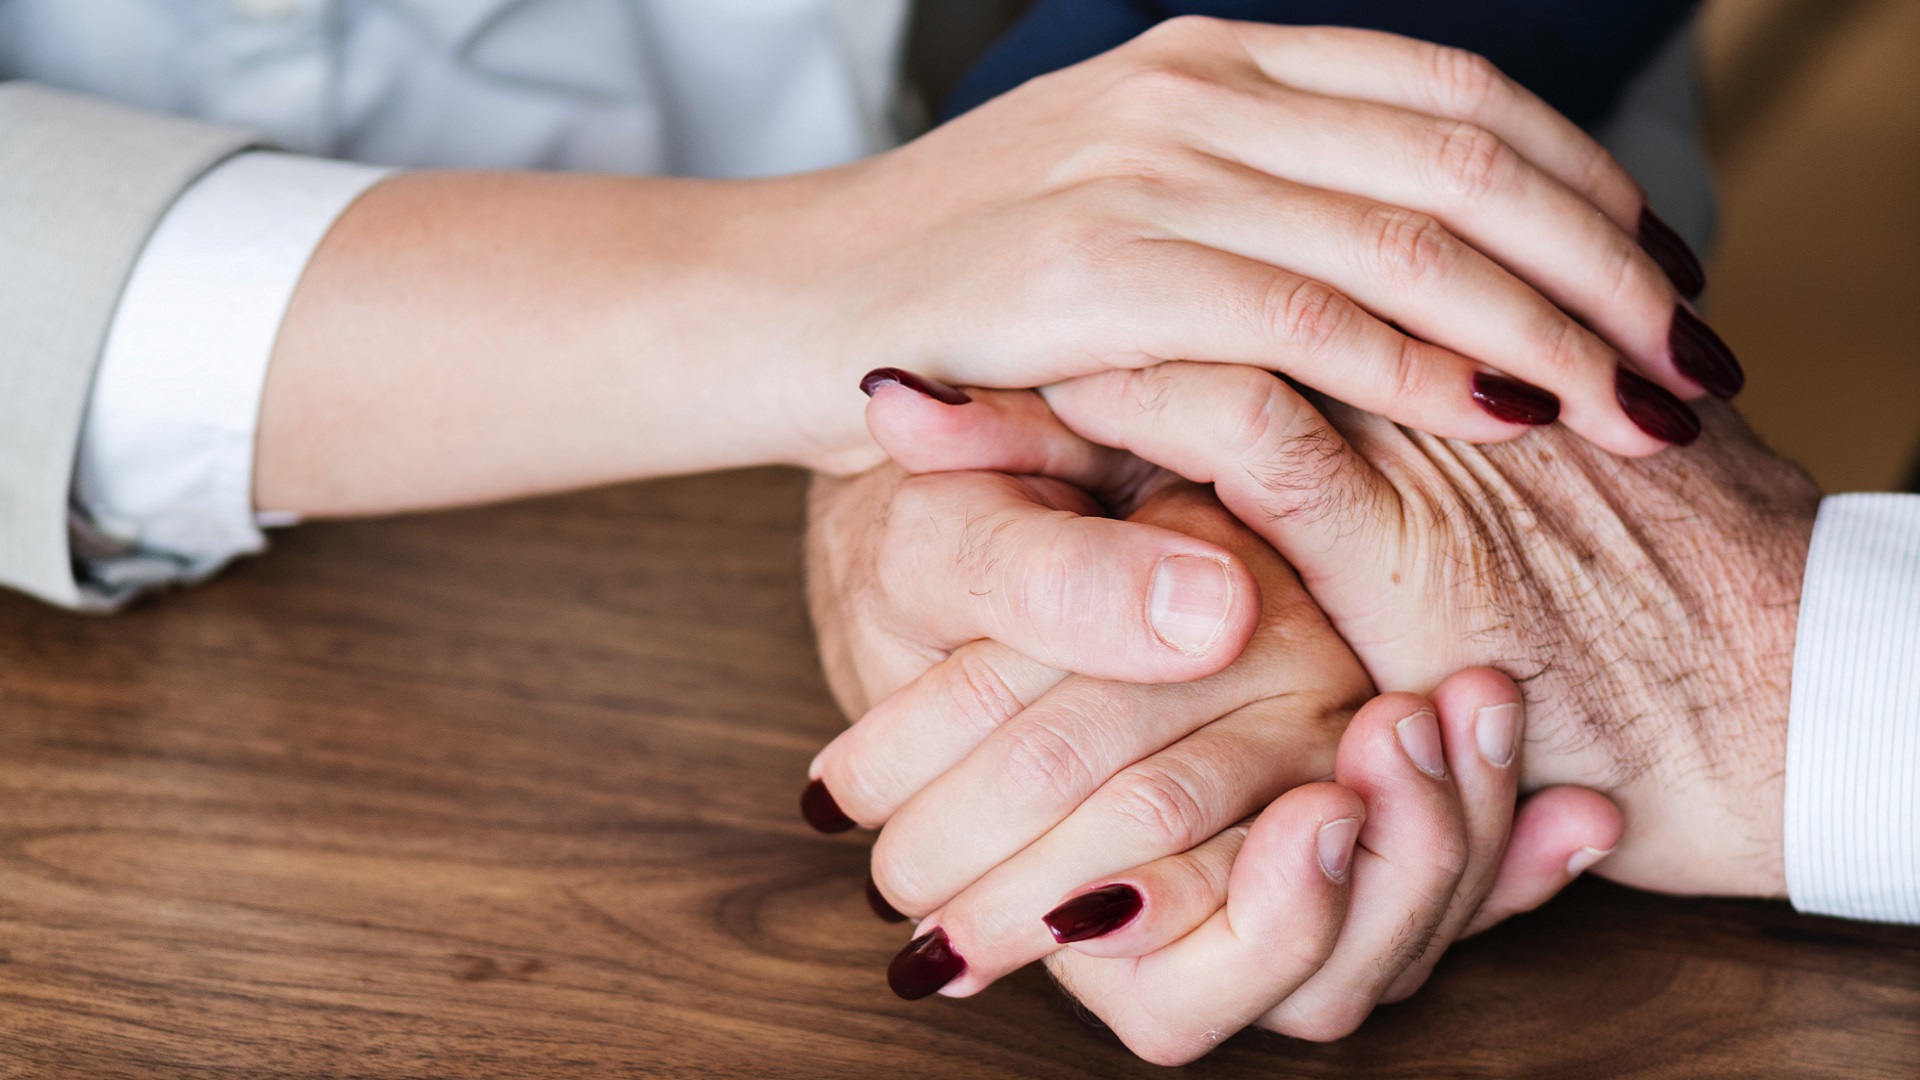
{"points": [[1115, 644], [1179, 839]]}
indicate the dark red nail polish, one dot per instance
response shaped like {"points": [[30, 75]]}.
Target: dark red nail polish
{"points": [[821, 812], [1701, 356], [920, 384], [1092, 914], [1655, 411], [925, 965], [1658, 239], [880, 906], [1514, 401]]}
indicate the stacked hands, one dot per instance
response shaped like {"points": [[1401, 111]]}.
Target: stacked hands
{"points": [[1116, 645]]}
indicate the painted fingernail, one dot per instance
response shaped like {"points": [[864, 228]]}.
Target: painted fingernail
{"points": [[1497, 729], [1420, 738], [1655, 411], [1335, 847], [1092, 914], [821, 812], [925, 965], [1701, 356], [1190, 601], [1580, 861], [1682, 266], [880, 906], [920, 384], [1514, 401]]}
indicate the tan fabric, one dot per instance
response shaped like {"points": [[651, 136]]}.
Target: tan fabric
{"points": [[82, 184]]}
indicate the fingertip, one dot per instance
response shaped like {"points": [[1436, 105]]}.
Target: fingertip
{"points": [[1393, 729], [1482, 708]]}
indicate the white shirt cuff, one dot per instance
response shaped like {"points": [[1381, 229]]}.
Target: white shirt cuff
{"points": [[163, 488], [1853, 736]]}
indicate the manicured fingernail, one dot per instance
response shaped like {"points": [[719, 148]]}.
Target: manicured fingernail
{"points": [[1335, 847], [925, 965], [1514, 401], [1658, 239], [1497, 729], [1581, 860], [1420, 738], [880, 906], [1701, 356], [893, 376], [1092, 914], [821, 812], [1655, 411], [1190, 601]]}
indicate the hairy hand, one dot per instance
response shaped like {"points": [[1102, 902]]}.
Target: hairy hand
{"points": [[1647, 606]]}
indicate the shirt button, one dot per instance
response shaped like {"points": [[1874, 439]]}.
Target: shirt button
{"points": [[267, 11]]}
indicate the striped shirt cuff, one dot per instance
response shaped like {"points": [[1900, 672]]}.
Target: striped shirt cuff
{"points": [[1853, 737]]}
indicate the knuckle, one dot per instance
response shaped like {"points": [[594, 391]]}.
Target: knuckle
{"points": [[1470, 163], [1465, 83], [1564, 346], [1045, 766], [978, 693], [1046, 596], [1330, 1023], [1305, 314], [1155, 86], [1249, 418], [1410, 248], [1411, 370], [902, 879], [1162, 1045], [1184, 29], [1155, 803]]}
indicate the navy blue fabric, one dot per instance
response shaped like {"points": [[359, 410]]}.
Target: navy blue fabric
{"points": [[1577, 54]]}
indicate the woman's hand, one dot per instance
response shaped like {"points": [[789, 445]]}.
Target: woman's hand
{"points": [[1378, 218], [1390, 222]]}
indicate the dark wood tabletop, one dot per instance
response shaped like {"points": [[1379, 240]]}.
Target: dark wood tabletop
{"points": [[511, 793]]}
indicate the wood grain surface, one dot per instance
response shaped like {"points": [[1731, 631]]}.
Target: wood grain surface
{"points": [[511, 793]]}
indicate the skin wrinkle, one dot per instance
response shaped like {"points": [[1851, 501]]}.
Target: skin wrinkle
{"points": [[1646, 607]]}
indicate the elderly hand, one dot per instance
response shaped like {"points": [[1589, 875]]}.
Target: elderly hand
{"points": [[1648, 606]]}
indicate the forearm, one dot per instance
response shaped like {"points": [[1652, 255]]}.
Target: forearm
{"points": [[463, 337]]}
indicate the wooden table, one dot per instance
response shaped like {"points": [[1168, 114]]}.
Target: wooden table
{"points": [[511, 793]]}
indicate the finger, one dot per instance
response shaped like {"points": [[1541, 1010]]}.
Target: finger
{"points": [[1274, 461], [1558, 834], [1443, 81], [1485, 192], [927, 727], [1170, 802], [1422, 77], [1482, 716], [1147, 909], [1413, 852], [965, 556], [1187, 299], [1010, 431], [1408, 267], [1286, 898]]}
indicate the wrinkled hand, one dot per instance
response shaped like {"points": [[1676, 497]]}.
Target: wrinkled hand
{"points": [[1647, 606]]}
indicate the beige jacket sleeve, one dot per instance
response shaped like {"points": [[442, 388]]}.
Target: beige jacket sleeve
{"points": [[82, 184]]}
